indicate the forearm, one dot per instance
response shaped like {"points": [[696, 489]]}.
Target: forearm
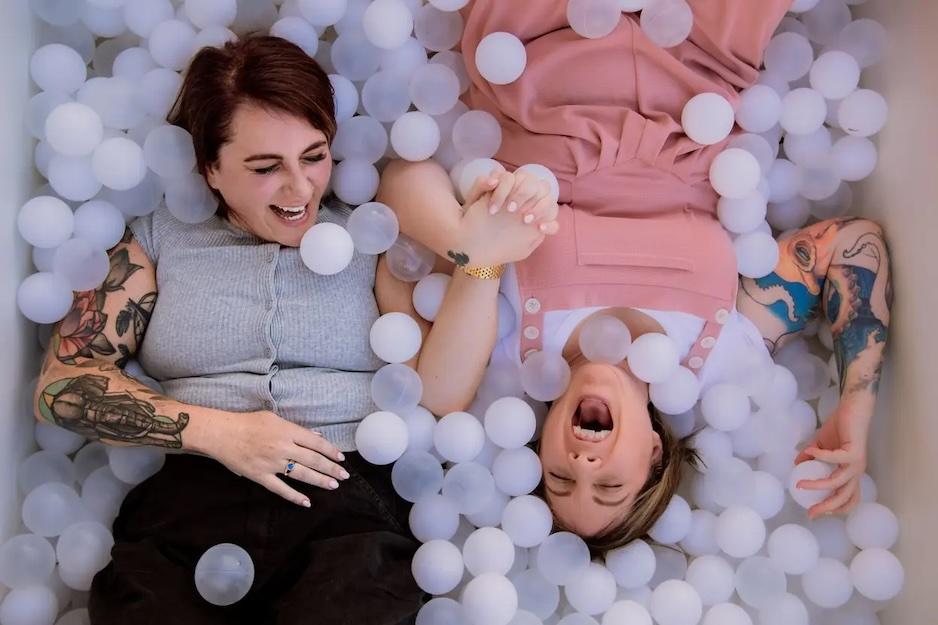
{"points": [[96, 399], [457, 349]]}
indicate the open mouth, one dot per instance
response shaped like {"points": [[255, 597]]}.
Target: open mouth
{"points": [[289, 214], [592, 421]]}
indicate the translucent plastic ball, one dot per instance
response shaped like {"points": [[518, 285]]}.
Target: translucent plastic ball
{"points": [[604, 338], [490, 514], [56, 67], [744, 214], [726, 614], [756, 254], [627, 612], [471, 171], [354, 56], [527, 520], [135, 464], [488, 550], [593, 590], [385, 97], [405, 59], [740, 531], [297, 31], [653, 357], [872, 525], [477, 134], [102, 494], [81, 263], [712, 577], [545, 376], [835, 75], [322, 12], [73, 129], [437, 30], [673, 524], [735, 173], [785, 180], [417, 474], [172, 43], [26, 560], [205, 13], [853, 158], [832, 538], [708, 118], [510, 422], [57, 439], [396, 388], [516, 471], [45, 221], [789, 56], [678, 393], [373, 228], [803, 111], [441, 611], [877, 574], [44, 297], [429, 293], [490, 599], [437, 566], [408, 260], [865, 40], [577, 618], [388, 23], [119, 163], [725, 406], [562, 557], [459, 437], [593, 19], [355, 181], [789, 215], [346, 97], [415, 136], [675, 602], [381, 437], [809, 470], [828, 584], [224, 574], [759, 581], [632, 565], [83, 549], [793, 548], [142, 16], [701, 538], [50, 508], [730, 481], [362, 137], [433, 517], [501, 58], [38, 109], [72, 177], [434, 88], [469, 485], [99, 223], [759, 109], [667, 22], [169, 152], [786, 610], [327, 249], [28, 605]]}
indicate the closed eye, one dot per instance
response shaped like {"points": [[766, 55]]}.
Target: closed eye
{"points": [[269, 170], [559, 478]]}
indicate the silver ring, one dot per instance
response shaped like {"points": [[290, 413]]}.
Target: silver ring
{"points": [[291, 464]]}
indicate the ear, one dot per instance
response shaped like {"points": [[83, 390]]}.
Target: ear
{"points": [[211, 176], [658, 449]]}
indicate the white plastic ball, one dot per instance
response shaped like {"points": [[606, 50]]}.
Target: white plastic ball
{"points": [[327, 249], [740, 531], [224, 574], [735, 173], [872, 525], [434, 88], [388, 23], [803, 111], [708, 118], [865, 40], [373, 228], [604, 338], [853, 158], [56, 67], [172, 44], [477, 134], [437, 566], [345, 96], [35, 604], [169, 152], [381, 437], [675, 602], [490, 514], [759, 581], [50, 508], [725, 406], [72, 177], [789, 215], [83, 549], [756, 254], [835, 75], [415, 136], [667, 23], [785, 180], [83, 265], [501, 58], [527, 520], [355, 181], [701, 538], [510, 422], [441, 611], [44, 297], [545, 376], [429, 293], [362, 137], [877, 574], [45, 221], [396, 388], [100, 223], [768, 496], [205, 13], [322, 12], [653, 357], [562, 557], [408, 260], [469, 485], [354, 56], [119, 163], [298, 31], [593, 590], [712, 577], [593, 19], [142, 16], [809, 470], [135, 464], [73, 129], [488, 550], [677, 394], [627, 612], [726, 614], [632, 565], [744, 214], [789, 56], [406, 59], [417, 474], [26, 560], [490, 599], [433, 517], [459, 436], [793, 548], [437, 30], [759, 109], [827, 584], [786, 610], [516, 471]]}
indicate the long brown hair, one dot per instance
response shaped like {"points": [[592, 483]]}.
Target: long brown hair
{"points": [[265, 71]]}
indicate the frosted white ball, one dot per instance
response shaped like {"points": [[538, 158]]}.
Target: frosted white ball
{"points": [[441, 611], [172, 43], [205, 13], [363, 137], [354, 56], [725, 406], [544, 174], [593, 19], [604, 338], [853, 158], [740, 531], [434, 88], [789, 56], [433, 517], [471, 171], [100, 223], [345, 96], [168, 151], [355, 181], [789, 215], [408, 260], [516, 471], [490, 599], [827, 584], [667, 23], [297, 31], [44, 297], [510, 422], [72, 177], [701, 538], [768, 495], [373, 228], [83, 549], [759, 581], [415, 136], [626, 612], [488, 550], [759, 109], [38, 109], [35, 604], [437, 30], [835, 75], [793, 548], [429, 293], [135, 464], [406, 59], [477, 134], [593, 590], [707, 118], [735, 173], [55, 12], [388, 23], [45, 221], [877, 574], [810, 150], [161, 86], [458, 436], [726, 614], [673, 524], [322, 12], [381, 437], [51, 507], [756, 254], [730, 481], [675, 602], [545, 376], [57, 439], [81, 263], [224, 574], [632, 565], [417, 474], [872, 525], [809, 470], [490, 514], [786, 610], [449, 5], [785, 180], [189, 199], [26, 560], [803, 111], [744, 214], [865, 40], [142, 16], [501, 58], [119, 163], [678, 393], [527, 520], [437, 566], [102, 494], [56, 67], [712, 577], [327, 249], [73, 129], [562, 557], [653, 357]]}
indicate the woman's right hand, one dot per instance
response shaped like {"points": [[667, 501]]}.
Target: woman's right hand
{"points": [[257, 445]]}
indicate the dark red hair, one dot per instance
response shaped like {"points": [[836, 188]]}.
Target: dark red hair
{"points": [[268, 72]]}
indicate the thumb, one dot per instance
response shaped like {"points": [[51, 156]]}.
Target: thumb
{"points": [[481, 186]]}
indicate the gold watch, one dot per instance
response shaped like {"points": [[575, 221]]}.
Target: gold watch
{"points": [[485, 273]]}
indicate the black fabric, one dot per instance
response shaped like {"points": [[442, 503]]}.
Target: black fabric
{"points": [[345, 560]]}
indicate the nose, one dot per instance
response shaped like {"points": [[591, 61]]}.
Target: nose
{"points": [[298, 184], [585, 460]]}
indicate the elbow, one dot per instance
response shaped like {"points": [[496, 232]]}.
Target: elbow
{"points": [[441, 402]]}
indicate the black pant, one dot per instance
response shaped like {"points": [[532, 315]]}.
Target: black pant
{"points": [[345, 560]]}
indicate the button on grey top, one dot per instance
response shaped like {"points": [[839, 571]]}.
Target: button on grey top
{"points": [[241, 324]]}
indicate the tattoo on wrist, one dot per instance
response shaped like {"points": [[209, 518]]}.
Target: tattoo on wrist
{"points": [[460, 258]]}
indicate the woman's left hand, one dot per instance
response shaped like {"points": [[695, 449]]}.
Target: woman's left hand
{"points": [[526, 195], [840, 441]]}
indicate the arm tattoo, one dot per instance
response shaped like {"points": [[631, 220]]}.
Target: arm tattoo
{"points": [[83, 404], [460, 258]]}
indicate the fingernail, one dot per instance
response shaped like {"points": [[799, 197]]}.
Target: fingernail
{"points": [[341, 456], [493, 181], [493, 209], [333, 484], [344, 475], [543, 227], [512, 207], [306, 503], [528, 219]]}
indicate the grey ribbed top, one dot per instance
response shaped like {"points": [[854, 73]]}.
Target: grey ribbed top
{"points": [[241, 324]]}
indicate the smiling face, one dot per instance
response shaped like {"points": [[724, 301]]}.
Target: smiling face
{"points": [[272, 174], [598, 447]]}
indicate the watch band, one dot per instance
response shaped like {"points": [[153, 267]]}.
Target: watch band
{"points": [[485, 273]]}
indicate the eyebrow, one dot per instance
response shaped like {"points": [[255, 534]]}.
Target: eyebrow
{"points": [[610, 504], [277, 157]]}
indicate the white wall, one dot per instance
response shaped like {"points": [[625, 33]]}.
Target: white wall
{"points": [[18, 346], [903, 196]]}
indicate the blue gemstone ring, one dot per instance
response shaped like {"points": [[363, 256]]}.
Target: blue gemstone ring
{"points": [[290, 465]]}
